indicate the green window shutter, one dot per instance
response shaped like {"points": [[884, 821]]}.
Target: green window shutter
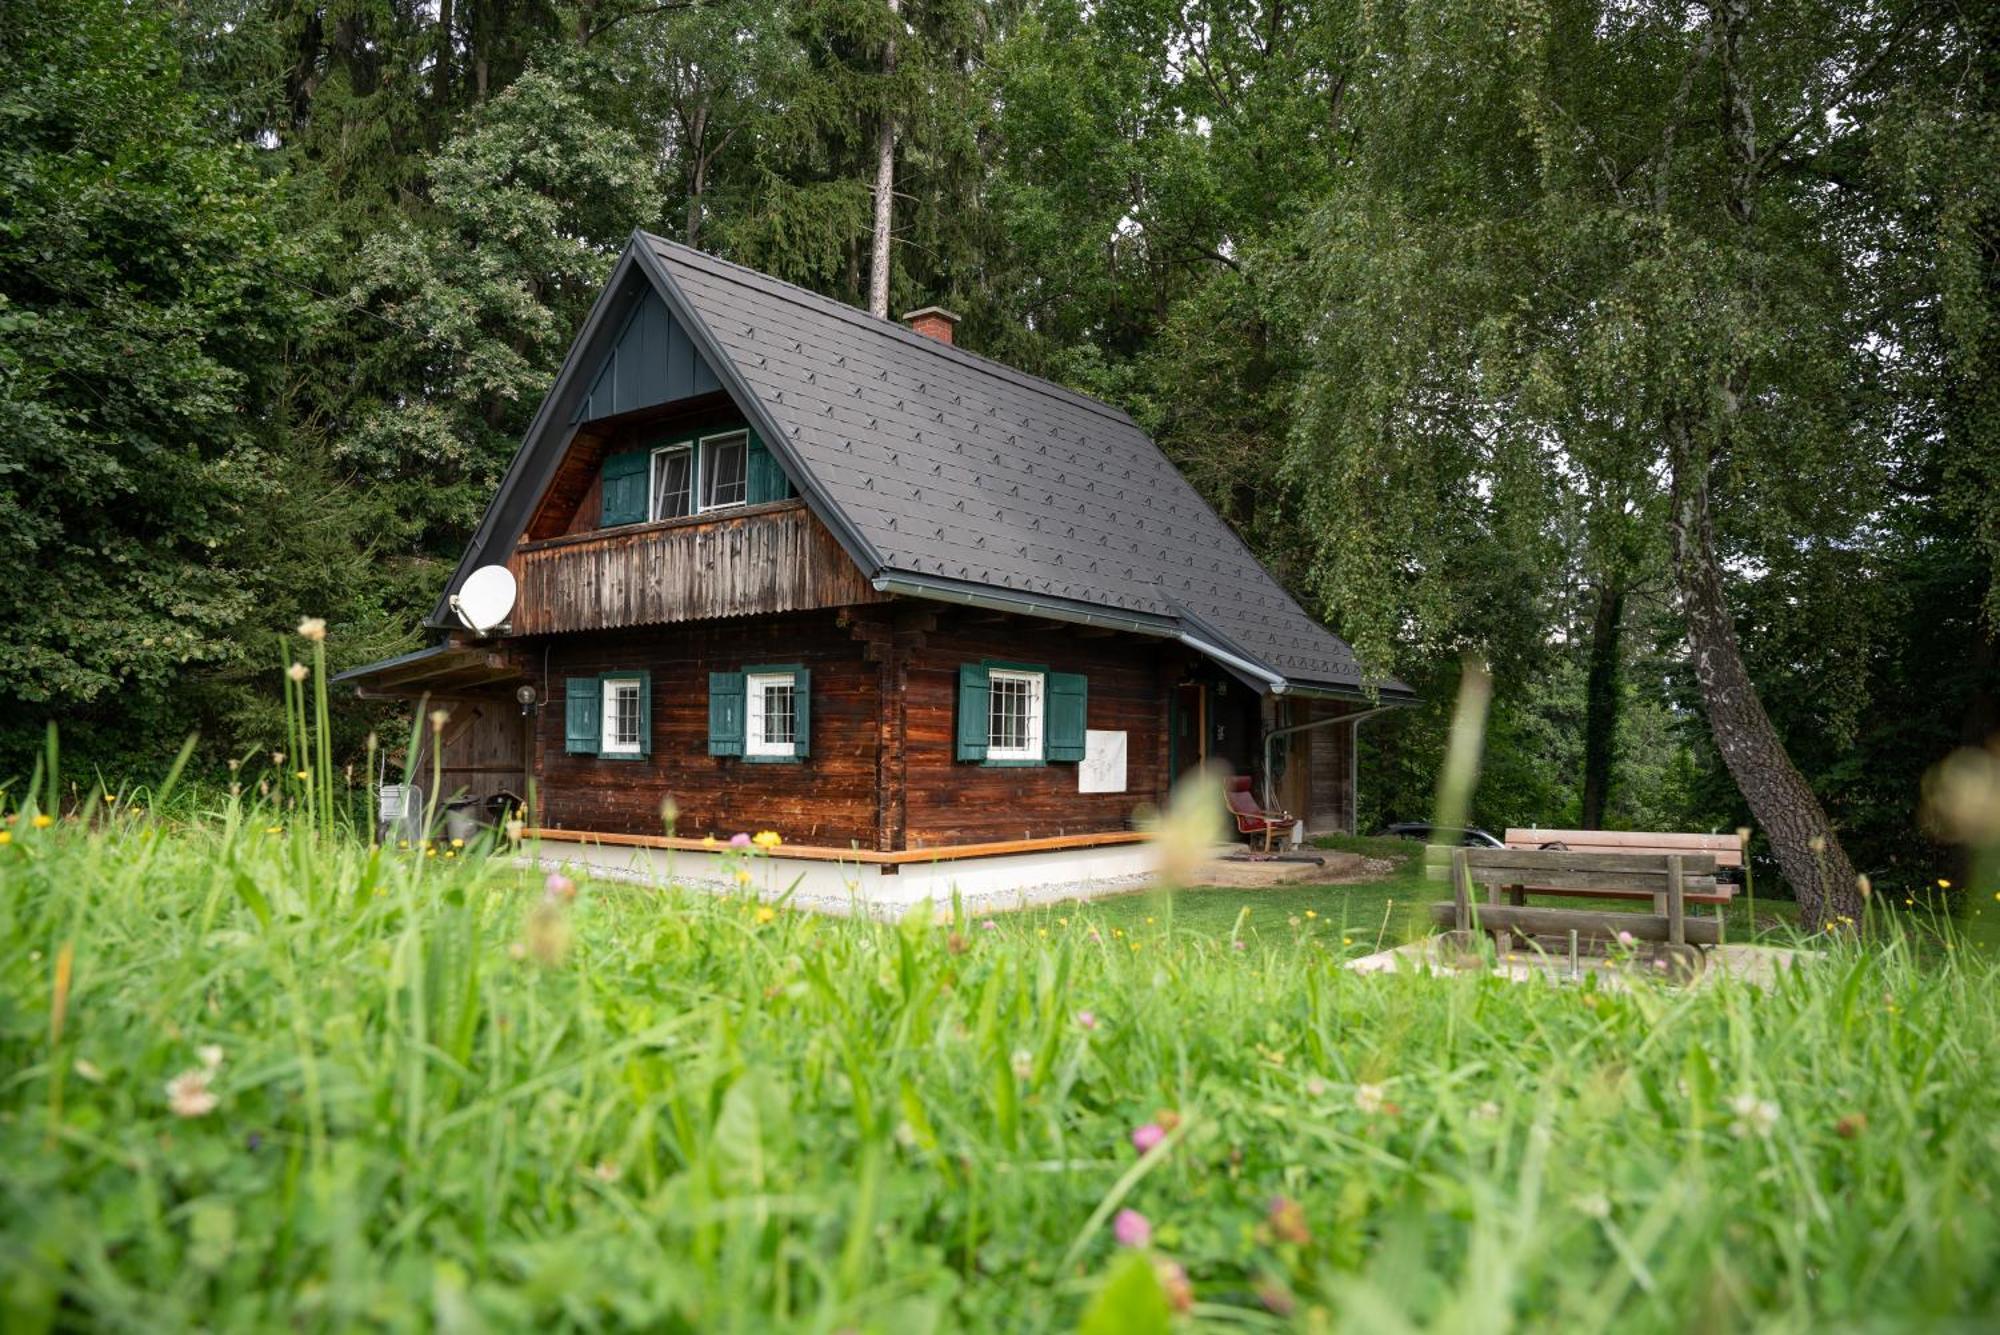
{"points": [[802, 706], [766, 480], [582, 698], [725, 713], [645, 711], [625, 487], [973, 685], [1067, 711]]}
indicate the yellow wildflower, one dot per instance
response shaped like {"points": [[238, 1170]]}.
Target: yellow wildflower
{"points": [[742, 877], [708, 841], [109, 798], [766, 839], [6, 837], [304, 774], [765, 913], [430, 852], [1312, 913], [458, 843], [43, 820]]}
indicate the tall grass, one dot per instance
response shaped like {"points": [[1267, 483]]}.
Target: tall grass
{"points": [[444, 1095]]}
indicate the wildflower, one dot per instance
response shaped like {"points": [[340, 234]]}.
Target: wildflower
{"points": [[304, 775], [43, 820], [298, 672], [765, 913], [1042, 932], [606, 1171], [1093, 936], [210, 1054], [188, 1094], [989, 926], [1086, 1020], [1626, 939], [428, 852], [1167, 1118], [1149, 921], [515, 829], [1753, 1115], [739, 840], [1315, 1087], [1277, 1299], [312, 628], [1489, 1111], [402, 843], [906, 1135], [1292, 921], [1135, 945], [742, 876], [109, 798], [1852, 1125], [1174, 1284], [1237, 945], [1346, 940], [766, 839], [274, 829], [1369, 1099], [708, 841], [1145, 1137], [558, 888], [1287, 1221], [1943, 884], [1595, 1205], [1132, 1229], [1312, 913], [1023, 1062], [6, 837], [87, 1071], [1062, 922], [439, 717]]}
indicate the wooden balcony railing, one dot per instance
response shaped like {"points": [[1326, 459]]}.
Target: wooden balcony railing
{"points": [[757, 560]]}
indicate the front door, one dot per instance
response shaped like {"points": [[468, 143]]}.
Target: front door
{"points": [[1190, 727]]}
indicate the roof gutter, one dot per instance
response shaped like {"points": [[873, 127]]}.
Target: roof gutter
{"points": [[1083, 615]]}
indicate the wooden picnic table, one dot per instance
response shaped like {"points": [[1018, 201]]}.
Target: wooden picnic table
{"points": [[1671, 880]]}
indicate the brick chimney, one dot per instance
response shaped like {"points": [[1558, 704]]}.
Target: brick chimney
{"points": [[932, 322]]}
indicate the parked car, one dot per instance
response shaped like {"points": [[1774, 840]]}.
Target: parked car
{"points": [[1423, 832]]}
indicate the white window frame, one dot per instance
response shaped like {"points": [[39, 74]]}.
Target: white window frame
{"points": [[612, 688], [703, 472], [1037, 709], [688, 448], [754, 741]]}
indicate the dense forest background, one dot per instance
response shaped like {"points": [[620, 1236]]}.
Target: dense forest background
{"points": [[1406, 288]]}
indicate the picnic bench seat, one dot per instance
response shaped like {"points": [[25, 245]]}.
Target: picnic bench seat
{"points": [[1671, 880]]}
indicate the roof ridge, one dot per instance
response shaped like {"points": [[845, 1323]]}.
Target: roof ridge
{"points": [[861, 319]]}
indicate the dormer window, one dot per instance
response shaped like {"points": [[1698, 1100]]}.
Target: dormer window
{"points": [[712, 473]]}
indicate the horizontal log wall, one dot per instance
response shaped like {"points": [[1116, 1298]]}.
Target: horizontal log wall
{"points": [[947, 801], [765, 559], [828, 798]]}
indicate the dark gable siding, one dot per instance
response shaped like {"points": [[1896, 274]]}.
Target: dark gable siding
{"points": [[949, 801], [651, 362], [827, 799]]}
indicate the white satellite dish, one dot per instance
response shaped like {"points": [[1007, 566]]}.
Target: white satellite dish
{"points": [[485, 599]]}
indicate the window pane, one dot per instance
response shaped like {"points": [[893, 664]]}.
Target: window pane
{"points": [[621, 716], [1008, 715], [673, 481], [723, 463], [780, 719]]}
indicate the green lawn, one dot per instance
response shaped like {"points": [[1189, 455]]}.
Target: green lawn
{"points": [[254, 1079], [1373, 914]]}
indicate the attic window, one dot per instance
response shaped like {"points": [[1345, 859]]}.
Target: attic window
{"points": [[710, 474], [725, 470]]}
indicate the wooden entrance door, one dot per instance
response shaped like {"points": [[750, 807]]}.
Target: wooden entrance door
{"points": [[1190, 727]]}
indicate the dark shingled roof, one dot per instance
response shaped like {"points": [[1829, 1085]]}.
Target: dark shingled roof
{"points": [[952, 466]]}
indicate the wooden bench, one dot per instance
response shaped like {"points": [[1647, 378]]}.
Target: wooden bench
{"points": [[1726, 849], [1670, 880]]}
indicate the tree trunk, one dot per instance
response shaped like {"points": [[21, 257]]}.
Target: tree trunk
{"points": [[1600, 700], [1783, 804], [885, 184]]}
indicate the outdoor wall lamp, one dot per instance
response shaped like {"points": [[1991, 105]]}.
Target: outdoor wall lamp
{"points": [[526, 695]]}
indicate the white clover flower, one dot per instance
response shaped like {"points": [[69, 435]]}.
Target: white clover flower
{"points": [[1753, 1115], [188, 1094], [1369, 1098]]}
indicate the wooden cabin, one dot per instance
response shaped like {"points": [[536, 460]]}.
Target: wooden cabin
{"points": [[785, 566]]}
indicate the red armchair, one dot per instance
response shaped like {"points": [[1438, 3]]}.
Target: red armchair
{"points": [[1251, 819]]}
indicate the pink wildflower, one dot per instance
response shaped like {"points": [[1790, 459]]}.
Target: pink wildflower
{"points": [[1626, 939], [989, 926], [558, 888], [1132, 1229], [1086, 1019], [739, 840], [1144, 1138]]}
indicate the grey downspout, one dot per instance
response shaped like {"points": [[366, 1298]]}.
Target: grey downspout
{"points": [[1338, 719]]}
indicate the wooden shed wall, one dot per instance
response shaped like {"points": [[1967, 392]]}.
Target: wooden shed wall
{"points": [[948, 801]]}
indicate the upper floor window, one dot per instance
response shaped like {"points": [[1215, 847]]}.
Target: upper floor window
{"points": [[709, 474]]}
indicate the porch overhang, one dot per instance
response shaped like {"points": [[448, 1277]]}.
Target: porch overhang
{"points": [[439, 670]]}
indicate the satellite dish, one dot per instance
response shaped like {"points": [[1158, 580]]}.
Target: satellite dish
{"points": [[485, 599]]}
